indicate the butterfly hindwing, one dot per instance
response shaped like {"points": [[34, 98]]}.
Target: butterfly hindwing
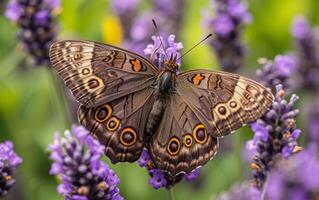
{"points": [[98, 73], [181, 143], [224, 101], [119, 125]]}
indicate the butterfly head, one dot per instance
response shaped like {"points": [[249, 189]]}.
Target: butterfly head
{"points": [[171, 64]]}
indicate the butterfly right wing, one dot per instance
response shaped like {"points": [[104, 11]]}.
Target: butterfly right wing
{"points": [[223, 101], [98, 73]]}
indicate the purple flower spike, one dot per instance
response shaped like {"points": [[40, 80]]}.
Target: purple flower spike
{"points": [[122, 7], [223, 25], [280, 71], [227, 23], [77, 159], [13, 11], [9, 161], [295, 178], [243, 191], [275, 136], [36, 21], [308, 57], [160, 179], [300, 28], [157, 179]]}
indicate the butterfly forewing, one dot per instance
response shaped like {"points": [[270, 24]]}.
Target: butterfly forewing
{"points": [[97, 73]]}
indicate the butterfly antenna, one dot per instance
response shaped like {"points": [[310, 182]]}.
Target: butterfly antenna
{"points": [[198, 43], [159, 36]]}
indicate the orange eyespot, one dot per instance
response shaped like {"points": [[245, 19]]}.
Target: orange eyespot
{"points": [[113, 123], [173, 146], [188, 140], [200, 134], [128, 136], [103, 113]]}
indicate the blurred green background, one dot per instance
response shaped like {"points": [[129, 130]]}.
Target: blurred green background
{"points": [[31, 109]]}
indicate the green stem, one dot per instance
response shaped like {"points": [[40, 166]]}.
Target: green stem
{"points": [[170, 194]]}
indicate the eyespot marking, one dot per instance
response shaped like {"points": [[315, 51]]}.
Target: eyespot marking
{"points": [[233, 104], [113, 123], [222, 110], [173, 146], [200, 134], [93, 83], [188, 140], [103, 113], [128, 136], [85, 71]]}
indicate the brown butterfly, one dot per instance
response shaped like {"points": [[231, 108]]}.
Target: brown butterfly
{"points": [[128, 104]]}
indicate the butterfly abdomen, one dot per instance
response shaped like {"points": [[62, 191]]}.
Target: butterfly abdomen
{"points": [[155, 115]]}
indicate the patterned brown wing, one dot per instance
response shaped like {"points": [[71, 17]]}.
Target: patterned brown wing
{"points": [[98, 73], [182, 143], [120, 124], [223, 101]]}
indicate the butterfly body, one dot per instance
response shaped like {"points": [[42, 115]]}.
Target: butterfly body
{"points": [[128, 104]]}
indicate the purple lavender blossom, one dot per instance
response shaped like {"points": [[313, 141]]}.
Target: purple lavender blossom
{"points": [[280, 71], [127, 13], [122, 7], [296, 178], [170, 14], [308, 56], [313, 120], [300, 28], [138, 35], [275, 136], [13, 11], [230, 18], [77, 158], [37, 26], [242, 191], [9, 161], [160, 179], [171, 48]]}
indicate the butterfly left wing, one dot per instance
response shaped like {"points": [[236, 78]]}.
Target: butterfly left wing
{"points": [[182, 142], [98, 73], [120, 124], [223, 101]]}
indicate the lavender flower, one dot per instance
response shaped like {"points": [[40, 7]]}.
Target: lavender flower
{"points": [[275, 136], [139, 33], [126, 10], [242, 191], [307, 53], [296, 178], [9, 161], [313, 120], [160, 179], [170, 13], [37, 22], [231, 16], [171, 48], [77, 159], [280, 71]]}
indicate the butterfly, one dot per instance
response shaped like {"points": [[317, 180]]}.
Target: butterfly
{"points": [[129, 104]]}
